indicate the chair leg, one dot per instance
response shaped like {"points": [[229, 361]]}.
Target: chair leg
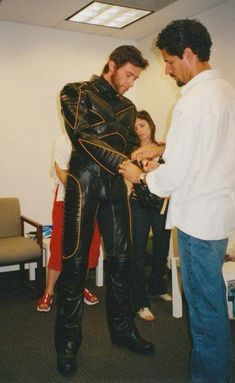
{"points": [[176, 289], [99, 268], [32, 273], [40, 278]]}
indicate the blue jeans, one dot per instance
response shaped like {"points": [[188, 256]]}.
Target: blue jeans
{"points": [[201, 267]]}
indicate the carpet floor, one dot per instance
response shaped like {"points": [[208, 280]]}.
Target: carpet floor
{"points": [[27, 353]]}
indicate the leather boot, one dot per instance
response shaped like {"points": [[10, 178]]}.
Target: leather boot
{"points": [[133, 342], [66, 364], [68, 334], [66, 351], [119, 314]]}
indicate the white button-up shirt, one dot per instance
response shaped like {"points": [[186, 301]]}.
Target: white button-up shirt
{"points": [[199, 169]]}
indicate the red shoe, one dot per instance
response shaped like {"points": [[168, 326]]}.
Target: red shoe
{"points": [[89, 298], [44, 303]]}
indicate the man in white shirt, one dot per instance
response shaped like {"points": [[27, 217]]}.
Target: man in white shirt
{"points": [[199, 175]]}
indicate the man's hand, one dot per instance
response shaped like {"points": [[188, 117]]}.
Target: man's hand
{"points": [[148, 151], [130, 171]]}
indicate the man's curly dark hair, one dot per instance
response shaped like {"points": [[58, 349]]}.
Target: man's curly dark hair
{"points": [[186, 33]]}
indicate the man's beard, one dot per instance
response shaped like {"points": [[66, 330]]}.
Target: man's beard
{"points": [[180, 83], [114, 82]]}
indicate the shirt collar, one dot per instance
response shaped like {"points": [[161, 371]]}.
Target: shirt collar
{"points": [[205, 75], [105, 87]]}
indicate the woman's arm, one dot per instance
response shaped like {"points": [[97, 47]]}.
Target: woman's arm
{"points": [[61, 173]]}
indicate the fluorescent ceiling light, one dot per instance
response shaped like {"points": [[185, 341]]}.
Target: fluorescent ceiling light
{"points": [[107, 15]]}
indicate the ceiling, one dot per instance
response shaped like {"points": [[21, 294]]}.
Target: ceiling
{"points": [[53, 13]]}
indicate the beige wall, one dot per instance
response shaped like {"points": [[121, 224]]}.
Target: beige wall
{"points": [[157, 92], [36, 62]]}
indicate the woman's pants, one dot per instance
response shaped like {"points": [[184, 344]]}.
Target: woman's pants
{"points": [[55, 260], [142, 219]]}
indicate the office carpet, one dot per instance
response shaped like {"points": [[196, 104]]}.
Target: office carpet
{"points": [[27, 353]]}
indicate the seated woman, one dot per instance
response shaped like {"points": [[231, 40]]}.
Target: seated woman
{"points": [[144, 218]]}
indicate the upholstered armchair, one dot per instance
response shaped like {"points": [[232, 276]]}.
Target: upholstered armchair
{"points": [[15, 248]]}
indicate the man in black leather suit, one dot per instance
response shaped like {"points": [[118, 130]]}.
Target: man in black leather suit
{"points": [[99, 121]]}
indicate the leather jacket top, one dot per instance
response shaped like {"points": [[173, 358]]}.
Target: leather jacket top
{"points": [[100, 124]]}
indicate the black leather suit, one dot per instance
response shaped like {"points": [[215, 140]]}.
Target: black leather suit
{"points": [[100, 124]]}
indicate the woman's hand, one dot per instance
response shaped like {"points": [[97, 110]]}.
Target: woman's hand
{"points": [[148, 151], [149, 165]]}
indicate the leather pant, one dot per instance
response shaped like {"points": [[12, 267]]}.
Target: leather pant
{"points": [[89, 198]]}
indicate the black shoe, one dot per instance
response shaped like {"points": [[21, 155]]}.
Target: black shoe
{"points": [[66, 365], [133, 342]]}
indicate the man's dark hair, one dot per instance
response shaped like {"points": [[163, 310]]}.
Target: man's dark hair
{"points": [[127, 54], [181, 34]]}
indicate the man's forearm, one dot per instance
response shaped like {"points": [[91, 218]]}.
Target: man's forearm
{"points": [[130, 171]]}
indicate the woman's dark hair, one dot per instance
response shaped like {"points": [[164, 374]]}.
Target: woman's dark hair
{"points": [[181, 34], [144, 115], [126, 54]]}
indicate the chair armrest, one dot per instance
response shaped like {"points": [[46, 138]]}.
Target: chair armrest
{"points": [[35, 224]]}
